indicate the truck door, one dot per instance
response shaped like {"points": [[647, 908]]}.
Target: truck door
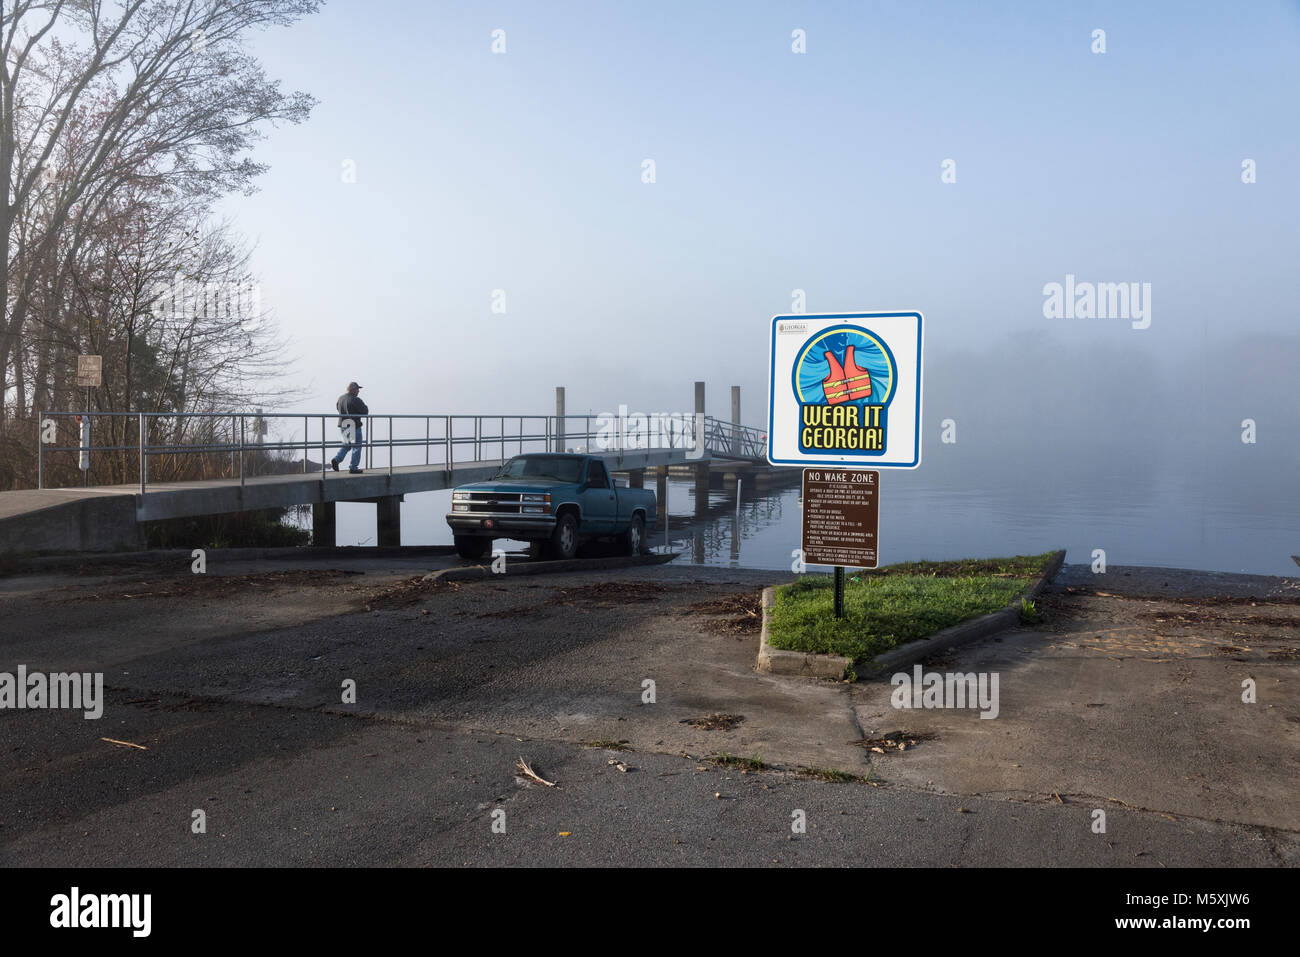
{"points": [[598, 502]]}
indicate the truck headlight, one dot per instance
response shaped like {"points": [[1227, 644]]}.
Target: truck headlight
{"points": [[535, 509], [460, 508], [534, 497], [457, 496]]}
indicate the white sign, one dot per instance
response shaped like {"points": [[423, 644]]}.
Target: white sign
{"points": [[90, 372], [845, 390]]}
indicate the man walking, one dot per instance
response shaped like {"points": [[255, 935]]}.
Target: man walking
{"points": [[351, 408]]}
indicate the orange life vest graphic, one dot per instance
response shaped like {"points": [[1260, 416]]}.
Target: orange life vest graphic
{"points": [[846, 383]]}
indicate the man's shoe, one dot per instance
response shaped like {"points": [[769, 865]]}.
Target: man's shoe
{"points": [[334, 465], [356, 471]]}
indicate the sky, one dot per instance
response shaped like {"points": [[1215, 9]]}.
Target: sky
{"points": [[775, 171]]}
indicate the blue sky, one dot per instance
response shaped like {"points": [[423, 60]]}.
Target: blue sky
{"points": [[775, 172]]}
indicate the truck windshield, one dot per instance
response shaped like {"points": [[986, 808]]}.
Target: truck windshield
{"points": [[559, 467]]}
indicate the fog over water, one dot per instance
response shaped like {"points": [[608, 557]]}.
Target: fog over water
{"points": [[1093, 446], [497, 236]]}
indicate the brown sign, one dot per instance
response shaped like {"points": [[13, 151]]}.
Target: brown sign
{"points": [[841, 517], [90, 371]]}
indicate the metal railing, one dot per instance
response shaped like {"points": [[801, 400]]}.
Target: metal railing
{"points": [[245, 444], [734, 441]]}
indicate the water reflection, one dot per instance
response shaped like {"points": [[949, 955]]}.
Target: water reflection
{"points": [[1170, 525], [1111, 446], [1170, 521]]}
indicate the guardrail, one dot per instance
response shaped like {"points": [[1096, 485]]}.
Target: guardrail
{"points": [[253, 440]]}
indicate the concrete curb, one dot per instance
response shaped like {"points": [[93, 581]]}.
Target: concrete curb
{"points": [[777, 661], [476, 572], [967, 631]]}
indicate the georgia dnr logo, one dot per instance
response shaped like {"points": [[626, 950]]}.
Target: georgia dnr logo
{"points": [[844, 379]]}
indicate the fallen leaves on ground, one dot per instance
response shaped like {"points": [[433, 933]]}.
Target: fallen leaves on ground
{"points": [[612, 594], [406, 592], [213, 585], [715, 722], [894, 741], [744, 611]]}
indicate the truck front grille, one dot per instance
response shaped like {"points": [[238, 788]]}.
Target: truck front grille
{"points": [[493, 502]]}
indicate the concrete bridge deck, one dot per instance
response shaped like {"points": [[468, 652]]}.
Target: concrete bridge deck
{"points": [[109, 517], [103, 518]]}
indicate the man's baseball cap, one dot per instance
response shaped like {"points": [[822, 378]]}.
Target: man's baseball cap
{"points": [[353, 385]]}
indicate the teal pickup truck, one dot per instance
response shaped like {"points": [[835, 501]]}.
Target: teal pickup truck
{"points": [[552, 501]]}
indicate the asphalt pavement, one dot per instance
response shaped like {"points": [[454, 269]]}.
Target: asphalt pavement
{"points": [[227, 703]]}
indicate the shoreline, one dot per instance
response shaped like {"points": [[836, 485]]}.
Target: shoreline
{"points": [[1142, 580], [1127, 580]]}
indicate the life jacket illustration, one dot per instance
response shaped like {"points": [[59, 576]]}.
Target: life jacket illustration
{"points": [[846, 383]]}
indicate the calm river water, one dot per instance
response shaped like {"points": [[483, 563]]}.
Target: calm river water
{"points": [[1213, 518]]}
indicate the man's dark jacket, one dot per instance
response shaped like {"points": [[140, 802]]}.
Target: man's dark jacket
{"points": [[350, 407]]}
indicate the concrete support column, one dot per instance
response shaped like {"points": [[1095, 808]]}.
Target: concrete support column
{"points": [[701, 470], [701, 491], [636, 478], [323, 524], [559, 418], [735, 420], [388, 520]]}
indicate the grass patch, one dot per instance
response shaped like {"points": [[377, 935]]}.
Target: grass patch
{"points": [[1028, 611], [829, 774], [725, 760], [1018, 566], [605, 744], [890, 606]]}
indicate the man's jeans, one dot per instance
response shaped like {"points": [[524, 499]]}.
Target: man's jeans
{"points": [[355, 446]]}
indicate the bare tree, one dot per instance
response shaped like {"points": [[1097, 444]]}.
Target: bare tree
{"points": [[94, 102]]}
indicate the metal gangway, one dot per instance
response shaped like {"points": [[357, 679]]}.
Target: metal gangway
{"points": [[147, 448]]}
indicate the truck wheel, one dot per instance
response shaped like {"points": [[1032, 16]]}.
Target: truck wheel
{"points": [[564, 540], [633, 540], [472, 547]]}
